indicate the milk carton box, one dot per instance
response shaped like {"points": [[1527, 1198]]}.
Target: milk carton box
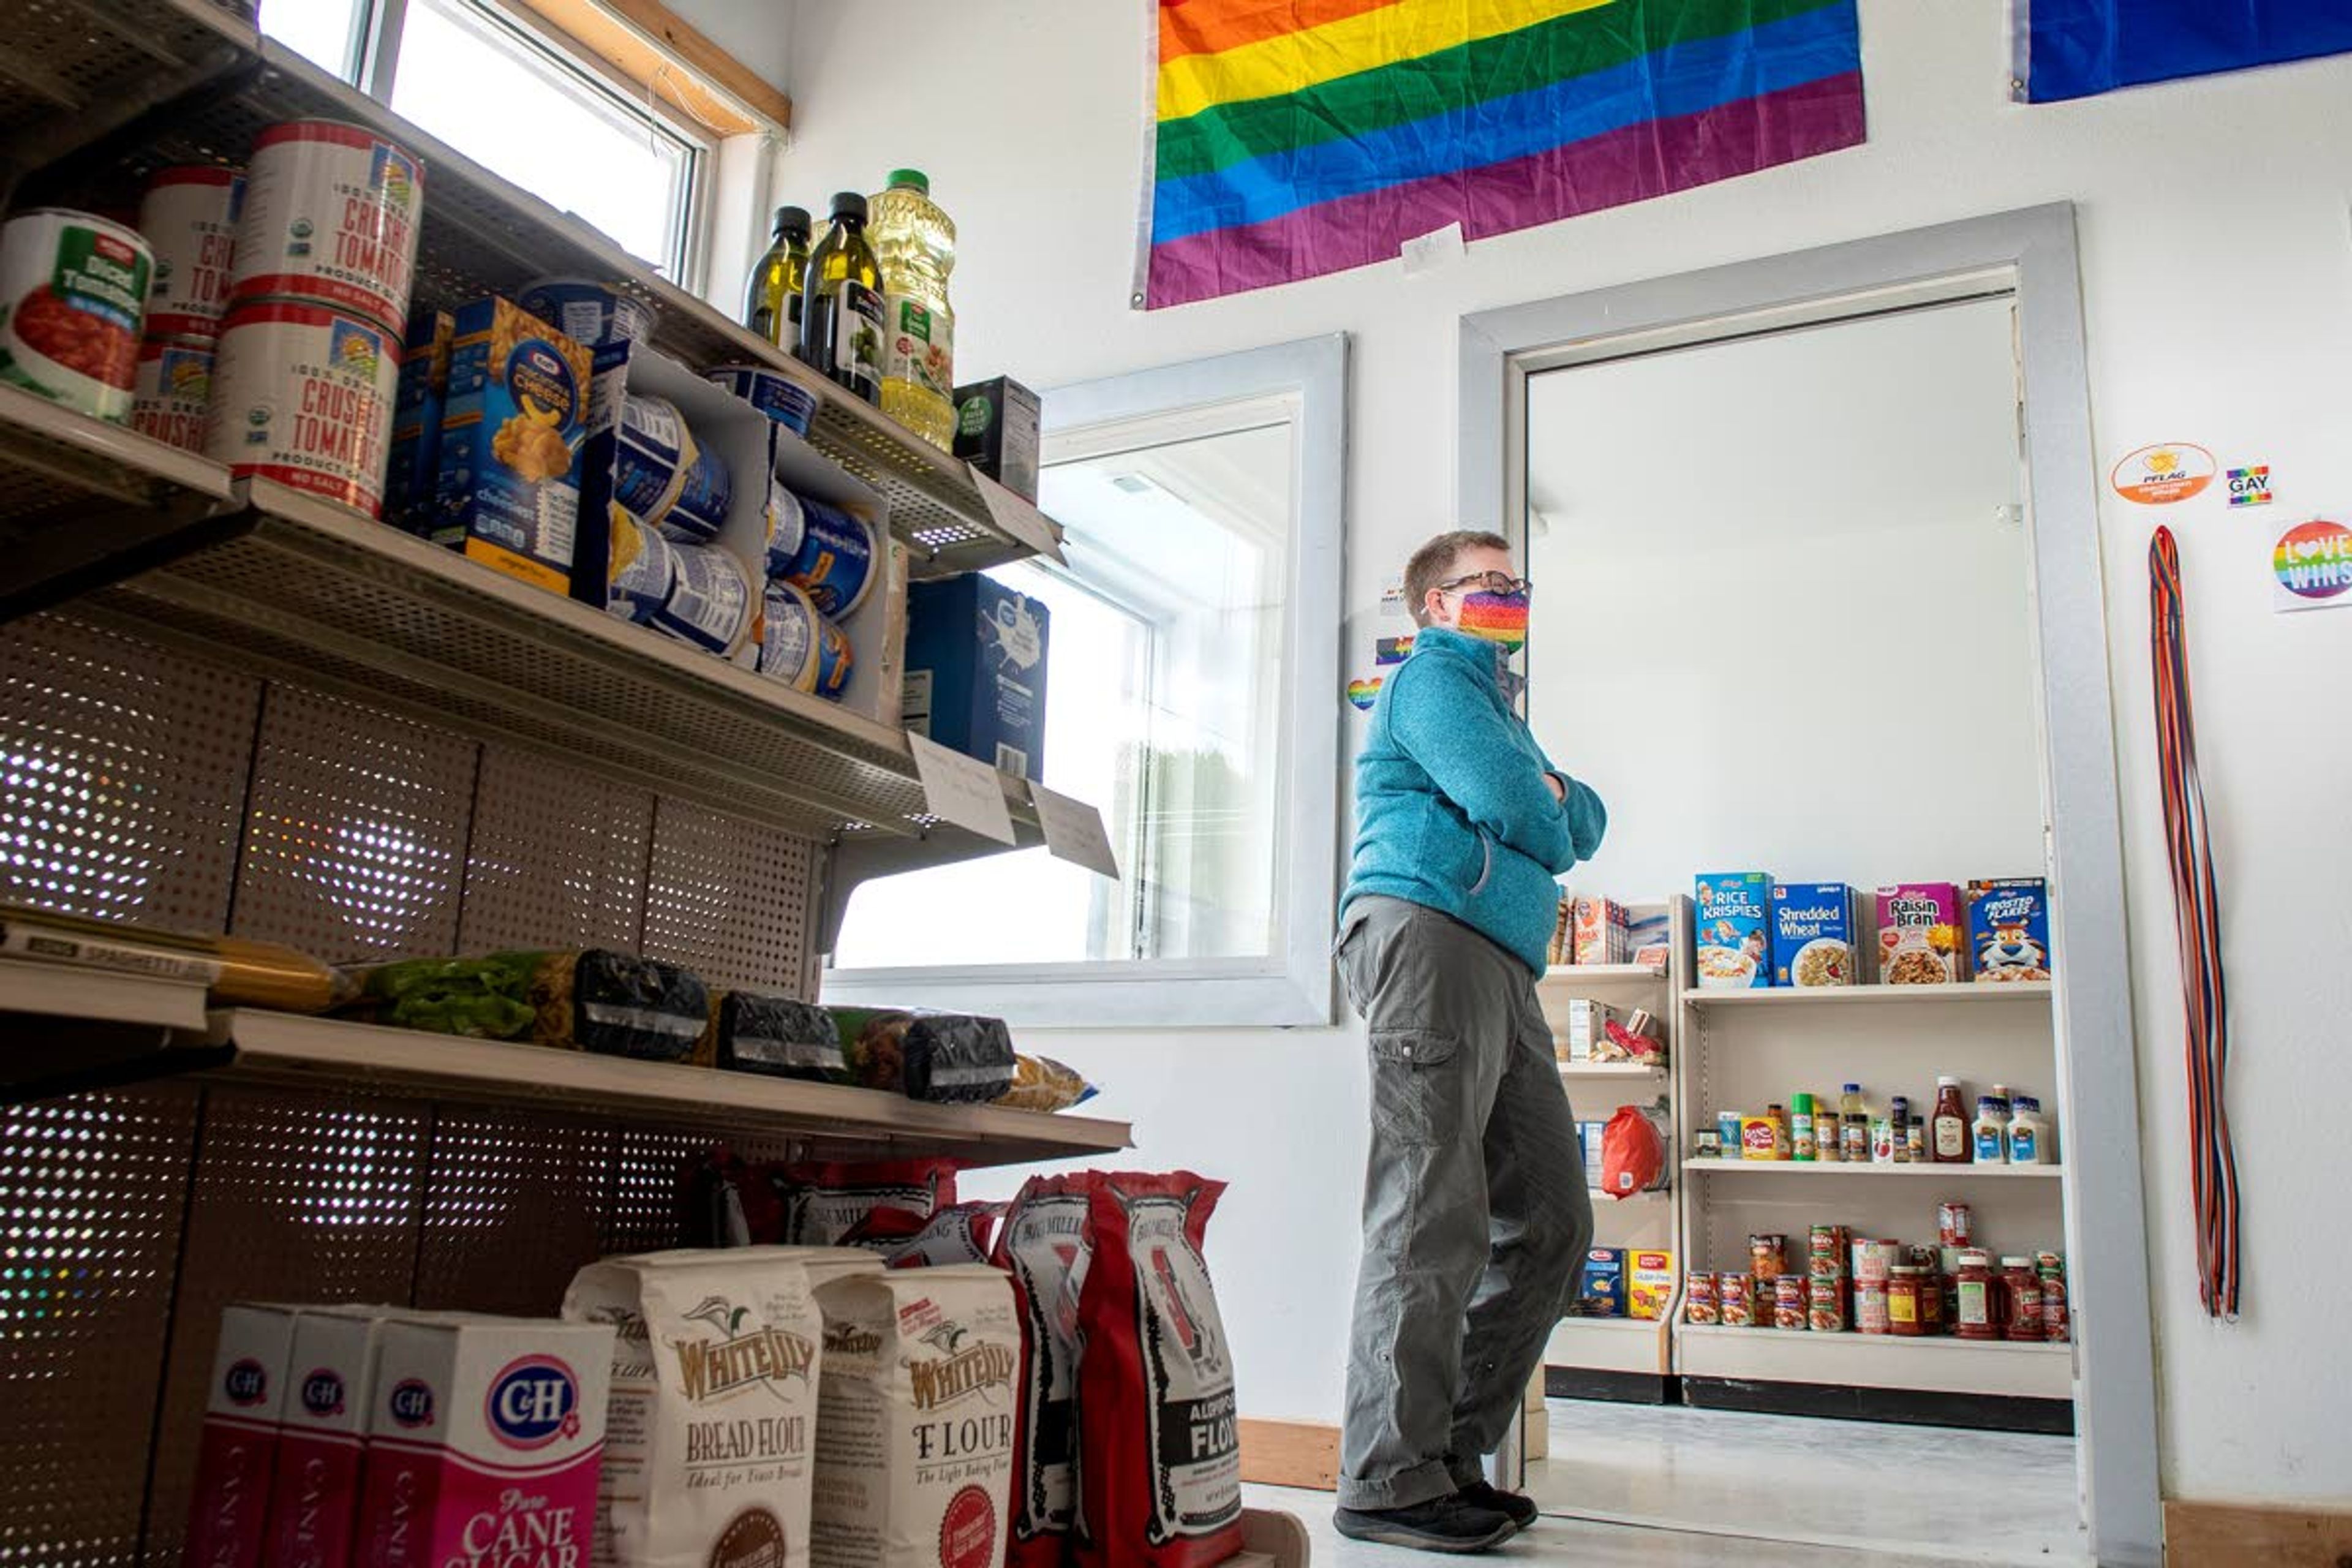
{"points": [[330, 1374], [1734, 935], [236, 1456], [485, 1442]]}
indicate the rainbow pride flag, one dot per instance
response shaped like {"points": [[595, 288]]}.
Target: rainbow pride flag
{"points": [[1293, 138]]}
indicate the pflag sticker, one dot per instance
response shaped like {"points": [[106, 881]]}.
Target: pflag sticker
{"points": [[2251, 487], [2162, 474], [1392, 650], [2313, 564], [1363, 693]]}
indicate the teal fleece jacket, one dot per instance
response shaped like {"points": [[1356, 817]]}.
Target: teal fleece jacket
{"points": [[1452, 809]]}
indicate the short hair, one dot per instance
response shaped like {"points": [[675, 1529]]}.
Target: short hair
{"points": [[1432, 563]]}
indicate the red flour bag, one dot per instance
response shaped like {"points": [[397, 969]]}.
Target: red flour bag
{"points": [[954, 1235], [823, 1202], [1042, 1244], [1161, 1485]]}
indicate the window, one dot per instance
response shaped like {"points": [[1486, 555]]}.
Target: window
{"points": [[475, 76], [1190, 696]]}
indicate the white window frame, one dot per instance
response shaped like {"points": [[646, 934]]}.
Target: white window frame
{"points": [[1291, 986]]}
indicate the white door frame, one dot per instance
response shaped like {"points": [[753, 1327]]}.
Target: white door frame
{"points": [[2030, 254]]}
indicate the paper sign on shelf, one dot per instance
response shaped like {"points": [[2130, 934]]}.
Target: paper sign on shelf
{"points": [[962, 790], [1019, 519], [1073, 831]]}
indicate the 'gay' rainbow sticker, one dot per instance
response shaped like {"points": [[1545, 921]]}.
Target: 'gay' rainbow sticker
{"points": [[2313, 562]]}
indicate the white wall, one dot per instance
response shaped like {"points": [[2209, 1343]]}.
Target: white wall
{"points": [[2219, 288]]}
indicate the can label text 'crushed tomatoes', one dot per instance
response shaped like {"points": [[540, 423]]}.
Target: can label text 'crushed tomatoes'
{"points": [[330, 213], [302, 394]]}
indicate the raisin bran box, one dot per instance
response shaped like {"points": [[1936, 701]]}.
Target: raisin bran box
{"points": [[2009, 930], [1733, 930], [1812, 934], [1919, 934]]}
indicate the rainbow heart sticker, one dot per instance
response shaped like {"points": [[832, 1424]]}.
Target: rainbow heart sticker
{"points": [[1363, 693], [2313, 564]]}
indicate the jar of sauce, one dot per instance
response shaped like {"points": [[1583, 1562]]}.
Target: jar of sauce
{"points": [[2022, 1288], [1906, 1300], [1976, 1321]]}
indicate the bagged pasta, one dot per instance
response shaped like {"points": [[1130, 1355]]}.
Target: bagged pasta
{"points": [[823, 1202], [1041, 1083], [611, 1003], [948, 1058], [914, 1429], [1162, 1482], [778, 1036], [1044, 1246], [957, 1234]]}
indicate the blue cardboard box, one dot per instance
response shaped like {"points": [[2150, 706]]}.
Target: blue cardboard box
{"points": [[1733, 930], [976, 671], [417, 403], [2009, 930], [1812, 934], [508, 491], [1600, 1288]]}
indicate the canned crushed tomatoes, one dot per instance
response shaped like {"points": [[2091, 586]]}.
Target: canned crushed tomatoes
{"points": [[189, 215], [73, 293], [302, 394], [330, 213], [174, 388]]}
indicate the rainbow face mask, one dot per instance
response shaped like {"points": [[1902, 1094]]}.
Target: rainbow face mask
{"points": [[1499, 618]]}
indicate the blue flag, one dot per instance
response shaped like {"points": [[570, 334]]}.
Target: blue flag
{"points": [[2073, 48]]}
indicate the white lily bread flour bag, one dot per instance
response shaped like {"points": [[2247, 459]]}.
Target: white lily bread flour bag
{"points": [[915, 1413]]}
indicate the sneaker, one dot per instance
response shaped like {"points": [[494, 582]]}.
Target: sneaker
{"points": [[1520, 1510], [1450, 1523]]}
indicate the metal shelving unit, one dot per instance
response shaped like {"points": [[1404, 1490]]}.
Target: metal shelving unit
{"points": [[2000, 1367], [2031, 992], [1838, 1168]]}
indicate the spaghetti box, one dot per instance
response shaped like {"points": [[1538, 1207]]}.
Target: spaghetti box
{"points": [[1601, 1287], [507, 492], [418, 406], [1734, 931], [976, 671], [1812, 934], [2009, 929], [997, 433]]}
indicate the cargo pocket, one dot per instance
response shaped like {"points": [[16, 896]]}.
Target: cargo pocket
{"points": [[1416, 1085]]}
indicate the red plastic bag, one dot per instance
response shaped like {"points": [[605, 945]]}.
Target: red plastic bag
{"points": [[1161, 1485], [1045, 1243], [1632, 1153]]}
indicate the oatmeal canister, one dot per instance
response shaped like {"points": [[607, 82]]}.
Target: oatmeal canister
{"points": [[331, 213], [189, 215], [302, 394], [172, 391], [73, 293]]}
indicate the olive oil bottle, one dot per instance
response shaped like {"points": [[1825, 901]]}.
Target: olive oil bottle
{"points": [[772, 307], [841, 306]]}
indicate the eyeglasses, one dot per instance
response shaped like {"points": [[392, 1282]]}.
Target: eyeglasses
{"points": [[1492, 581]]}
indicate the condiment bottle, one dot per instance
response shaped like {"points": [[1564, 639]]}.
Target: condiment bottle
{"points": [[1805, 1142], [1884, 1141], [1899, 1116], [1777, 1115], [1950, 1131], [1975, 1321], [2024, 1289], [772, 306], [1991, 1131], [1905, 1286], [2029, 1134], [1914, 1143]]}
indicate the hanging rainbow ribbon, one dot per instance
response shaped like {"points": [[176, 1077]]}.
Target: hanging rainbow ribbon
{"points": [[2197, 918]]}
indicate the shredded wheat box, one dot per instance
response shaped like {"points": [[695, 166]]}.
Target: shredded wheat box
{"points": [[914, 1461], [237, 1455]]}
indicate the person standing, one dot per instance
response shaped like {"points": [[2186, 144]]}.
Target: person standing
{"points": [[1475, 1212]]}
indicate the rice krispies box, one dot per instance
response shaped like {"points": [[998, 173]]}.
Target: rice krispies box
{"points": [[237, 1453], [1812, 934], [1733, 932], [2009, 929], [1919, 934], [486, 1439]]}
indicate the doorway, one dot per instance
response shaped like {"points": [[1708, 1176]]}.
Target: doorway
{"points": [[1819, 596]]}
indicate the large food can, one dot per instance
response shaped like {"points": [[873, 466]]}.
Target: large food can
{"points": [[644, 567], [589, 312], [835, 559], [331, 213], [73, 290], [189, 216], [1699, 1299], [1789, 1296], [1736, 1300], [771, 392], [302, 394], [710, 600], [173, 391], [801, 648]]}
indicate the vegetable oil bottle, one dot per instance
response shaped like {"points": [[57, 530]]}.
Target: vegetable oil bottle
{"points": [[773, 305], [915, 242], [841, 305]]}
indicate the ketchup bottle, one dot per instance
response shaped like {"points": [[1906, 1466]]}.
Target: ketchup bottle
{"points": [[1947, 1130]]}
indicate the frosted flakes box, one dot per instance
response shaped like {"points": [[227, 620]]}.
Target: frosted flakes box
{"points": [[1919, 934], [237, 1456], [2009, 929], [1733, 930], [1812, 934]]}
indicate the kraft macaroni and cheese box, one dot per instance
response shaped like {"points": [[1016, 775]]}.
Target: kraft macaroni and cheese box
{"points": [[412, 480], [1812, 934], [1733, 932], [975, 677], [2009, 930], [331, 1373], [507, 492], [1649, 1283], [485, 1441], [1600, 1288], [236, 1456]]}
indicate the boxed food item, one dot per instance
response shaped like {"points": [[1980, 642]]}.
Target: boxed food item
{"points": [[1734, 931], [236, 1456], [1649, 1283], [1919, 934], [976, 670], [1586, 1039], [419, 400], [507, 487], [709, 1456], [1046, 1245], [1600, 1286], [2009, 929], [1562, 946], [914, 1420], [1601, 931], [997, 432], [331, 1381], [611, 1003], [1812, 934], [1590, 1135], [484, 1441], [1649, 934]]}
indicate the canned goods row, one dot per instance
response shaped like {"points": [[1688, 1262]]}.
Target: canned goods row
{"points": [[1787, 1302]]}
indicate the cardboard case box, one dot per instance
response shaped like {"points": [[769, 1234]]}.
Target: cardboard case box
{"points": [[976, 664]]}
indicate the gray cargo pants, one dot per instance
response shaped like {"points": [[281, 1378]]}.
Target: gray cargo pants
{"points": [[1476, 1213]]}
